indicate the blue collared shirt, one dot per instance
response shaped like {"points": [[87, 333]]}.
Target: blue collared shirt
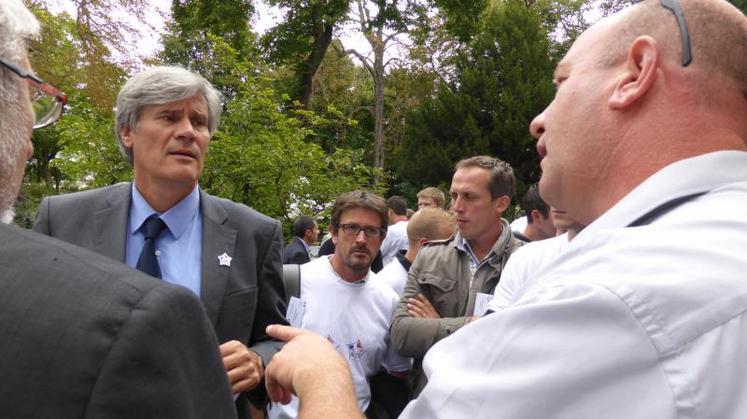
{"points": [[463, 245], [179, 248], [303, 242]]}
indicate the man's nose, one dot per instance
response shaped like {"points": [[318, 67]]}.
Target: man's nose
{"points": [[185, 129], [537, 127], [456, 204]]}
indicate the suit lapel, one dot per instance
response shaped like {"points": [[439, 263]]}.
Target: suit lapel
{"points": [[217, 239], [110, 222]]}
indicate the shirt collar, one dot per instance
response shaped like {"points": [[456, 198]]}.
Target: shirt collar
{"points": [[339, 278], [177, 218], [682, 178], [303, 242], [463, 245]]}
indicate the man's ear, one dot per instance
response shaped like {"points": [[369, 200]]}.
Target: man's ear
{"points": [[639, 74], [124, 134], [502, 203], [536, 216]]}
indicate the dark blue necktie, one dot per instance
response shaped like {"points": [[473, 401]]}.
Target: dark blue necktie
{"points": [[148, 262]]}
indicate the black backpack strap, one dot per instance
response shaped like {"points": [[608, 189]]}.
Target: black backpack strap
{"points": [[292, 280]]}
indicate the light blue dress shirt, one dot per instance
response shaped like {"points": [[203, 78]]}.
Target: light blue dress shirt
{"points": [[179, 248]]}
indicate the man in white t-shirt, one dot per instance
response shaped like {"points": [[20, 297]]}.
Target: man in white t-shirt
{"points": [[425, 225], [345, 302], [396, 236], [526, 262]]}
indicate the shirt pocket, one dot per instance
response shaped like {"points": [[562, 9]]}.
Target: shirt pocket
{"points": [[442, 293]]}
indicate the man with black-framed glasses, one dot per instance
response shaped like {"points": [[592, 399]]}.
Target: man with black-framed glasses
{"points": [[644, 315], [83, 335], [342, 299]]}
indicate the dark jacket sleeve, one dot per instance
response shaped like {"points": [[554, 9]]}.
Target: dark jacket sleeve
{"points": [[271, 299], [295, 253], [163, 363], [41, 225]]}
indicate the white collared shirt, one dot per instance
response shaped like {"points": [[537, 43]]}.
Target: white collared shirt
{"points": [[522, 268], [642, 322]]}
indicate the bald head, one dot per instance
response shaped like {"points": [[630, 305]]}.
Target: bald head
{"points": [[717, 33], [627, 106], [430, 224]]}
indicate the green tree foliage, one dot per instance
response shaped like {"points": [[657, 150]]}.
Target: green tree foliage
{"points": [[461, 18], [301, 40], [740, 4], [80, 150], [503, 80], [90, 80], [104, 25], [342, 96], [260, 155], [194, 32], [228, 19]]}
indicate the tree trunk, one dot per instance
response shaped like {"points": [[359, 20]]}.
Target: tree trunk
{"points": [[322, 39], [378, 78]]}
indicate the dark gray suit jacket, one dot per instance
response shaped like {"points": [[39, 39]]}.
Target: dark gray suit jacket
{"points": [[295, 252], [86, 337], [240, 300]]}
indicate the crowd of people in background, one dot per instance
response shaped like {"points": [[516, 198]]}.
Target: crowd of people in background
{"points": [[620, 297]]}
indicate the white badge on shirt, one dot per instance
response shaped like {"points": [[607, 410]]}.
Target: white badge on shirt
{"points": [[296, 310], [482, 302]]}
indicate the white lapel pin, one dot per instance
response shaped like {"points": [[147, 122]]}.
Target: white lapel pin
{"points": [[224, 259]]}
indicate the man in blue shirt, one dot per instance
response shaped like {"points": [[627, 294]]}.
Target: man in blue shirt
{"points": [[165, 225]]}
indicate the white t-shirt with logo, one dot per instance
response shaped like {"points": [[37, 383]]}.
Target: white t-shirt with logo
{"points": [[355, 318]]}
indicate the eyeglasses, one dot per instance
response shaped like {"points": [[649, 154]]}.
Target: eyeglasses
{"points": [[354, 229], [48, 101], [675, 8]]}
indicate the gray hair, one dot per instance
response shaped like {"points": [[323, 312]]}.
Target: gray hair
{"points": [[17, 25], [157, 86]]}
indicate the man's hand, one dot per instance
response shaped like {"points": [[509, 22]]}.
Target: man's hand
{"points": [[422, 308], [244, 366], [310, 367]]}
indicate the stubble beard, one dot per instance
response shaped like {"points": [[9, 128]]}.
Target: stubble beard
{"points": [[357, 264]]}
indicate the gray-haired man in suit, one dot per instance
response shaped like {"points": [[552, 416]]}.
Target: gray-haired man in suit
{"points": [[226, 253], [83, 335]]}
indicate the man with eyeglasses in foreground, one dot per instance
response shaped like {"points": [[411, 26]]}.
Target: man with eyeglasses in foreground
{"points": [[82, 335], [346, 303], [645, 314]]}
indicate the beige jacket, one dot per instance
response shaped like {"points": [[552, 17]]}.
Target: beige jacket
{"points": [[441, 272]]}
